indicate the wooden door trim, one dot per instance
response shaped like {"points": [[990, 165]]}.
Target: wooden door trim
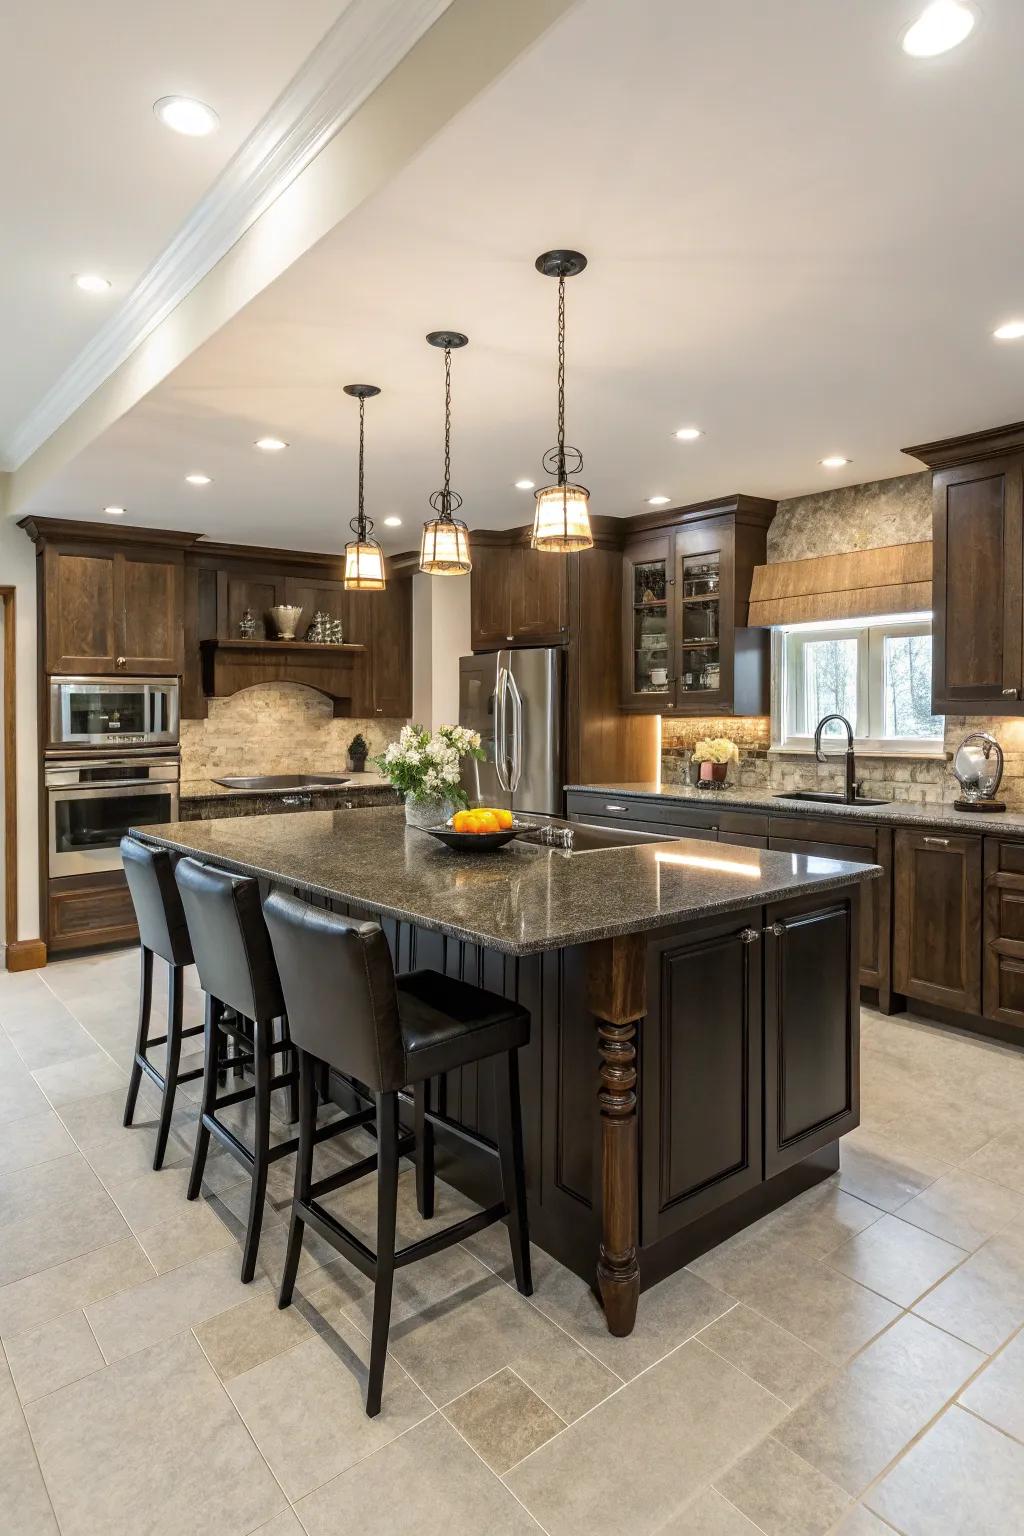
{"points": [[22, 954]]}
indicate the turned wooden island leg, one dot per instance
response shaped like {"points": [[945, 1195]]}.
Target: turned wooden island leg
{"points": [[616, 979]]}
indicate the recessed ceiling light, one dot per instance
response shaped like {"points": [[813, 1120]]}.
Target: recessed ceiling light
{"points": [[941, 26], [1013, 330], [91, 282], [689, 434], [271, 444], [524, 485], [392, 522], [833, 461], [198, 479], [658, 501], [114, 511], [185, 115]]}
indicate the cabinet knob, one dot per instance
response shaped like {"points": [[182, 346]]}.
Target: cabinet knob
{"points": [[510, 637], [379, 709], [936, 842], [749, 936], [120, 662], [1011, 693], [777, 930]]}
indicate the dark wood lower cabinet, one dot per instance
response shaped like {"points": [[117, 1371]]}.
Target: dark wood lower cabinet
{"points": [[1003, 936], [86, 910], [937, 918]]}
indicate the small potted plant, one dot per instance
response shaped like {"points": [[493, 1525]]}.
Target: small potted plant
{"points": [[711, 758], [426, 769], [357, 752]]}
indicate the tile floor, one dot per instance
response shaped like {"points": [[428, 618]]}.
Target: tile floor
{"points": [[852, 1364]]}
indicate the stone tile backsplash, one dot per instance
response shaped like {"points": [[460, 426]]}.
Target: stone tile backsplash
{"points": [[275, 728]]}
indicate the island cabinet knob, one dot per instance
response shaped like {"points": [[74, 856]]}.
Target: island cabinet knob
{"points": [[777, 930], [749, 936], [1011, 693], [121, 661]]}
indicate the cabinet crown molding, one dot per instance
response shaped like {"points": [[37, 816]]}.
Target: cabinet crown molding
{"points": [[970, 447], [64, 529]]}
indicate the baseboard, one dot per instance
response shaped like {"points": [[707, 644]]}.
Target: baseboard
{"points": [[25, 954]]}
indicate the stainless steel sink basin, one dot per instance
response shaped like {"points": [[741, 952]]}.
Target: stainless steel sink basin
{"points": [[284, 781], [826, 799]]}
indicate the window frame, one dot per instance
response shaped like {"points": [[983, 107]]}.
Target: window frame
{"points": [[871, 635]]}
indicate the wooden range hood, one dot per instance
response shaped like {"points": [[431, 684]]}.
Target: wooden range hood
{"points": [[896, 578]]}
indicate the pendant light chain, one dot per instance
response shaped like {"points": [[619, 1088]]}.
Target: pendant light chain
{"points": [[447, 432], [561, 519], [362, 425], [561, 378], [444, 547]]}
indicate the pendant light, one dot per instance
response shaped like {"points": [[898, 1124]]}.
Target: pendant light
{"points": [[364, 558], [561, 522], [444, 549]]}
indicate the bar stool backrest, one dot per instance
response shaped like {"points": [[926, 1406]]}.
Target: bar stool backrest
{"points": [[339, 988], [158, 910], [230, 940]]}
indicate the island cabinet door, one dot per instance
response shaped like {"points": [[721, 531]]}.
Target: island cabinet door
{"points": [[937, 922], [700, 1054], [811, 1026]]}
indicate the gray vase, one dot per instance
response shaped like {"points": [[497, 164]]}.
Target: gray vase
{"points": [[428, 813]]}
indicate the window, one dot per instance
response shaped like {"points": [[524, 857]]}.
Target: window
{"points": [[877, 673]]}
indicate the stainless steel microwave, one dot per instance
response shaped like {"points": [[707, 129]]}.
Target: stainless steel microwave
{"points": [[113, 712]]}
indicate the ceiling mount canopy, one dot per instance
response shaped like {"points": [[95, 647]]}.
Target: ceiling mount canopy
{"points": [[364, 558], [561, 521], [444, 548]]}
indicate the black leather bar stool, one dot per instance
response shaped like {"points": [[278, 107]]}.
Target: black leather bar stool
{"points": [[347, 1009], [237, 971], [163, 932]]}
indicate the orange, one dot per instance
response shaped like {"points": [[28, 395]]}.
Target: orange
{"points": [[462, 821], [504, 819], [485, 821]]}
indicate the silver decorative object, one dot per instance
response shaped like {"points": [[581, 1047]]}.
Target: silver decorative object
{"points": [[247, 626], [285, 618], [978, 769]]}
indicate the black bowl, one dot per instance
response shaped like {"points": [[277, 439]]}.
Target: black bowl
{"points": [[476, 842]]}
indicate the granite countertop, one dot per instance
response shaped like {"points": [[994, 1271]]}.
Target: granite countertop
{"points": [[520, 900], [208, 789], [893, 813]]}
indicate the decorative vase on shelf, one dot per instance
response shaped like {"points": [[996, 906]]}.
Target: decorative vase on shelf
{"points": [[285, 618], [428, 813]]}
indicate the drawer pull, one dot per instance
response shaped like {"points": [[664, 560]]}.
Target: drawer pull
{"points": [[618, 810], [777, 930], [936, 842], [1011, 693], [749, 936]]}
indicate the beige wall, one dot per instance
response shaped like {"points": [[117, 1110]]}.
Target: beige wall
{"points": [[440, 635], [18, 569]]}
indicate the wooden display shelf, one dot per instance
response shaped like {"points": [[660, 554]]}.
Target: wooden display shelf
{"points": [[278, 645], [231, 665]]}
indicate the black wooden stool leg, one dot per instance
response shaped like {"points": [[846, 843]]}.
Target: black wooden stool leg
{"points": [[209, 1102], [142, 1038], [175, 1000], [387, 1208], [303, 1173], [262, 1034], [289, 1061], [424, 1151], [513, 1168]]}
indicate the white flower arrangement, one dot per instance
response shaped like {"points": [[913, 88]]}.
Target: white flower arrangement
{"points": [[716, 749], [427, 767]]}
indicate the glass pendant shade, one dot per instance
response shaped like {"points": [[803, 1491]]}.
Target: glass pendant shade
{"points": [[444, 548], [364, 566], [561, 522]]}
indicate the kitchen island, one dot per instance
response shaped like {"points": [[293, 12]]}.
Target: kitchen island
{"points": [[694, 1054]]}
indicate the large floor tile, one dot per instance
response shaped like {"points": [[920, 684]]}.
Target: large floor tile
{"points": [[897, 1260], [853, 1426], [659, 1440], [128, 1152], [823, 1217], [998, 1393], [1001, 1160], [158, 1309], [983, 1300], [783, 1494], [710, 1515], [305, 1409], [194, 1228], [874, 1166], [50, 1038], [773, 1356], [247, 1335], [80, 1079], [39, 1138], [427, 1481], [37, 1190], [503, 1420], [52, 1355], [861, 1522], [20, 1095], [963, 1208], [155, 1433], [963, 1478], [34, 1300], [24, 1503], [62, 1232]]}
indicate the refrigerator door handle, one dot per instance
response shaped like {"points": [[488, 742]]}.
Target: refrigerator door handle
{"points": [[501, 762], [516, 772]]}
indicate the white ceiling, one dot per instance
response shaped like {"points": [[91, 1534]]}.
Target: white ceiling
{"points": [[799, 239], [91, 182]]}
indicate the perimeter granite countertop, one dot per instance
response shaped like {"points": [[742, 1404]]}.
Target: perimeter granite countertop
{"points": [[209, 789], [894, 813], [520, 900]]}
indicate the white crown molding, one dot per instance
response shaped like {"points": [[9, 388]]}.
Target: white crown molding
{"points": [[363, 46]]}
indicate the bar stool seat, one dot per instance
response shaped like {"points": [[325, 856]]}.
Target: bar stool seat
{"points": [[347, 1010]]}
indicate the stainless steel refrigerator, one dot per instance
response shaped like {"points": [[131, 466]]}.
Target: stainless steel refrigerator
{"points": [[516, 700]]}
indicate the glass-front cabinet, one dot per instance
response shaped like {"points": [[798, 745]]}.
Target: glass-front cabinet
{"points": [[687, 649]]}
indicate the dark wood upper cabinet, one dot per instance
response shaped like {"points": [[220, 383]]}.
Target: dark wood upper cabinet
{"points": [[391, 649], [148, 599], [977, 571], [937, 918], [687, 648], [80, 625], [519, 595]]}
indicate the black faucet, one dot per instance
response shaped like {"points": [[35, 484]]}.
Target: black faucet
{"points": [[851, 765]]}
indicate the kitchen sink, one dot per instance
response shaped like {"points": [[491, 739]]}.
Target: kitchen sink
{"points": [[826, 799], [285, 781]]}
